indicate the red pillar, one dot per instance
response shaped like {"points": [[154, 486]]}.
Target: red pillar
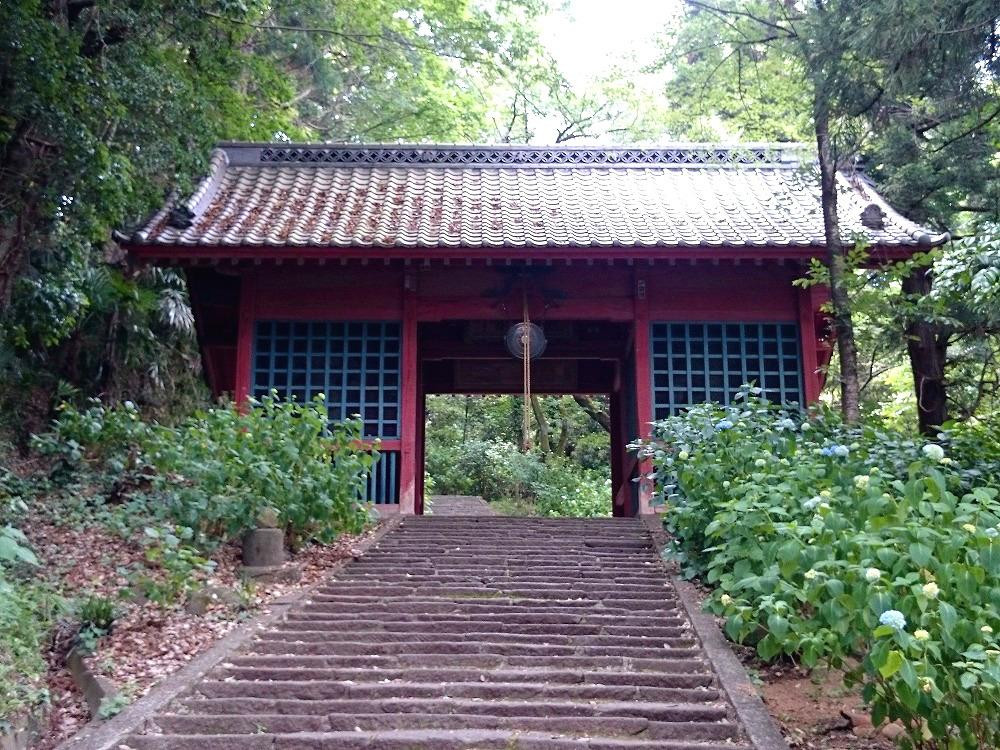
{"points": [[619, 482], [409, 393], [643, 387], [244, 336], [421, 440], [809, 340]]}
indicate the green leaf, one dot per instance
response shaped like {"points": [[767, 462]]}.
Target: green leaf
{"points": [[778, 626], [921, 554], [893, 663]]}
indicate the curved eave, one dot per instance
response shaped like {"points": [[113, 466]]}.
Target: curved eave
{"points": [[196, 203], [197, 254], [922, 239]]}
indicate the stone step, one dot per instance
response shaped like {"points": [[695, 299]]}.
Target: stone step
{"points": [[424, 603], [411, 739], [472, 661], [494, 588], [573, 725], [680, 638], [667, 712], [505, 621], [267, 644], [318, 690], [552, 579], [670, 627], [480, 608], [677, 678], [470, 633]]}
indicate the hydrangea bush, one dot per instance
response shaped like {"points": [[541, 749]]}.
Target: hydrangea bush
{"points": [[865, 549], [218, 469]]}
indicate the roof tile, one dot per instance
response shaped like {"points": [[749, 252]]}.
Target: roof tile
{"points": [[483, 197]]}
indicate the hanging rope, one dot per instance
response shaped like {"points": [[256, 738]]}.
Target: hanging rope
{"points": [[526, 375]]}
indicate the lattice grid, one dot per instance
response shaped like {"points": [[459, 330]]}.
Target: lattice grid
{"points": [[698, 362], [355, 364]]}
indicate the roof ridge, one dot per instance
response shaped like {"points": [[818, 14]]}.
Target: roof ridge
{"points": [[771, 155]]}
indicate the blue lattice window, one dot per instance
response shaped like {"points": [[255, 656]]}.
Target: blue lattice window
{"points": [[355, 364], [698, 362]]}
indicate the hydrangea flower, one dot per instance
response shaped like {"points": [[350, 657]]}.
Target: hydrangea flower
{"points": [[931, 590], [683, 455], [987, 629], [760, 462], [992, 533], [872, 575], [726, 600], [812, 502], [893, 618], [810, 574], [861, 481], [933, 451], [969, 527], [840, 451], [921, 635], [723, 424], [784, 424]]}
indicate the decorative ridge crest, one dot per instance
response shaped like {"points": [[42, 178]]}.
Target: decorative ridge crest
{"points": [[771, 155]]}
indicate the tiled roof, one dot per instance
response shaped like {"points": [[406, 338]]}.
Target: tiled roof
{"points": [[511, 197]]}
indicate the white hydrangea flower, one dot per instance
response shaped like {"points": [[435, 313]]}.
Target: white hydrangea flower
{"points": [[893, 618], [933, 451], [931, 590], [872, 575]]}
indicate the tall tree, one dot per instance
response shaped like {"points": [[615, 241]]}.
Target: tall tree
{"points": [[903, 81], [104, 106]]}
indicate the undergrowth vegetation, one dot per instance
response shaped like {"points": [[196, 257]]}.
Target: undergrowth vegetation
{"points": [[207, 479], [861, 548], [473, 448], [500, 473], [182, 490]]}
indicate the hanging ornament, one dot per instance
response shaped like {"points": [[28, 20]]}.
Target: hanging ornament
{"points": [[515, 340]]}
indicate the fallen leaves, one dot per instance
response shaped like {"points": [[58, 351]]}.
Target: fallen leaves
{"points": [[148, 642]]}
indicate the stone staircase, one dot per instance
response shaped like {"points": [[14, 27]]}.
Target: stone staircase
{"points": [[471, 632]]}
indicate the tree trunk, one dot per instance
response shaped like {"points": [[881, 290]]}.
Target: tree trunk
{"points": [[843, 322], [543, 426], [594, 412], [927, 347]]}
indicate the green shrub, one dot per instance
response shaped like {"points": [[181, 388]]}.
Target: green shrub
{"points": [[215, 472], [564, 489], [863, 548], [222, 466], [27, 613], [492, 470], [173, 565]]}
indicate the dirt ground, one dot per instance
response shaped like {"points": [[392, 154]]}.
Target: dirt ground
{"points": [[816, 711], [148, 642]]}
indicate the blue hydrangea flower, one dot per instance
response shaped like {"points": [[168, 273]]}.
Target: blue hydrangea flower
{"points": [[893, 618], [841, 451], [723, 424], [812, 503], [784, 424]]}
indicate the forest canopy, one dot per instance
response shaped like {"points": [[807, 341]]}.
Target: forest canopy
{"points": [[108, 108]]}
